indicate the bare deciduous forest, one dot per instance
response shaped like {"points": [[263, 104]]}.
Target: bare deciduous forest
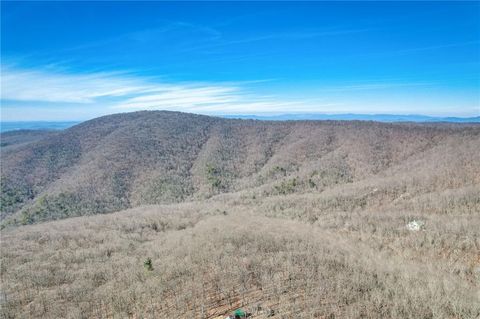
{"points": [[173, 215]]}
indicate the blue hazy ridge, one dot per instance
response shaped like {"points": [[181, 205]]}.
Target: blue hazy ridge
{"points": [[35, 125]]}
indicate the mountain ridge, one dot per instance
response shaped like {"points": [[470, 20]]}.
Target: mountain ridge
{"points": [[166, 213], [8, 126], [153, 157], [359, 117]]}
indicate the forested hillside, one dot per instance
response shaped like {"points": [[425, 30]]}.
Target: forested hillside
{"points": [[126, 160], [307, 219]]}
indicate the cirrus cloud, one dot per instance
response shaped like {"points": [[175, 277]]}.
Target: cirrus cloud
{"points": [[123, 91]]}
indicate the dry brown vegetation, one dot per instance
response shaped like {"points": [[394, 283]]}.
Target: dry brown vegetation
{"points": [[286, 220], [210, 258], [126, 160]]}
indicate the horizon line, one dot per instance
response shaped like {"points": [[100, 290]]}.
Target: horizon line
{"points": [[259, 115]]}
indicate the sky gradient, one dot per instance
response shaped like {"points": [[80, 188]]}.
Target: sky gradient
{"points": [[79, 60]]}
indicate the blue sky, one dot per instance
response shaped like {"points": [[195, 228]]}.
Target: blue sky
{"points": [[79, 60]]}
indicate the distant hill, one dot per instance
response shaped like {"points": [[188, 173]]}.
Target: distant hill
{"points": [[126, 160], [359, 117], [35, 125]]}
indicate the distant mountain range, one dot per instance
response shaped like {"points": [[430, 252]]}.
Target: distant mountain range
{"points": [[52, 125], [358, 117], [35, 125]]}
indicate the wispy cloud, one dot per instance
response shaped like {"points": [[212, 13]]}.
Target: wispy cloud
{"points": [[123, 91], [436, 47], [287, 36], [192, 96], [52, 91], [171, 32], [373, 86], [47, 86]]}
